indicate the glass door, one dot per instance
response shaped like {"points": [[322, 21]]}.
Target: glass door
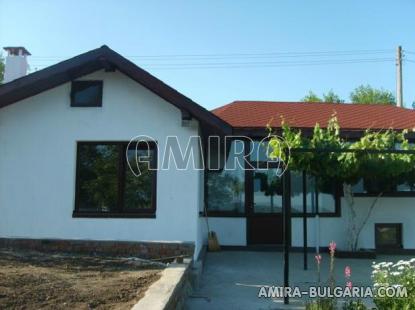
{"points": [[264, 212]]}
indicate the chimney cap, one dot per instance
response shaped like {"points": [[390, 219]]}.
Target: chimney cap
{"points": [[17, 50]]}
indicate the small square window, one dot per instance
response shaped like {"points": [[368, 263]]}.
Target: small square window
{"points": [[86, 94], [388, 236]]}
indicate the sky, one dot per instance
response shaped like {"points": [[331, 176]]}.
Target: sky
{"points": [[216, 52]]}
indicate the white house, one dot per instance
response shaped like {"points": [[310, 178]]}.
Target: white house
{"points": [[66, 182]]}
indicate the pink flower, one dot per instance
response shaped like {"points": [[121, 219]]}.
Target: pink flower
{"points": [[347, 272], [318, 258], [349, 284], [332, 248]]}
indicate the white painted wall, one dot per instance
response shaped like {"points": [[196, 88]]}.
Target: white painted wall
{"points": [[387, 210], [37, 164], [229, 230], [232, 231]]}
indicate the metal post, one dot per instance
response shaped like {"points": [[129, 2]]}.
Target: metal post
{"points": [[399, 96], [317, 218], [287, 227], [305, 241]]}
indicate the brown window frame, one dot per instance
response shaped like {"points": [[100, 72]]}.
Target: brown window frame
{"points": [[120, 212], [79, 85], [398, 227], [248, 191]]}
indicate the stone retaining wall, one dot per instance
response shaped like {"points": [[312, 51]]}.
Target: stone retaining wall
{"points": [[170, 291], [147, 250]]}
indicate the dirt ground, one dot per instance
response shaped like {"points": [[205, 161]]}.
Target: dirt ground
{"points": [[31, 280]]}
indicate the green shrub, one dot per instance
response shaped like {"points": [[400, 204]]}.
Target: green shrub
{"points": [[400, 275], [354, 305], [321, 304]]}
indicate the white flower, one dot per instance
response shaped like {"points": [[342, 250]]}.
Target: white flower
{"points": [[401, 262]]}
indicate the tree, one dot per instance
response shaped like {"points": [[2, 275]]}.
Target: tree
{"points": [[348, 168], [329, 97], [1, 69], [311, 97], [332, 97], [366, 94]]}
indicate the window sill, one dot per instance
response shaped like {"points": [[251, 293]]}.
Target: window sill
{"points": [[242, 215], [112, 215], [222, 214]]}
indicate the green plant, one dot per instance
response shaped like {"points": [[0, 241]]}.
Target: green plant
{"points": [[400, 275], [334, 158], [354, 305], [321, 304]]}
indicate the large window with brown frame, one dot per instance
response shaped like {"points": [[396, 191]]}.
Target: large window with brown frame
{"points": [[112, 181]]}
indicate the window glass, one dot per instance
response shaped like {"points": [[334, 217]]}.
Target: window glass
{"points": [[297, 192], [326, 195], [388, 235], [107, 184], [259, 151], [86, 94], [138, 189], [383, 185], [226, 188], [98, 177], [267, 191]]}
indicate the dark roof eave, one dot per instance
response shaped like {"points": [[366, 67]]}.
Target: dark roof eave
{"points": [[97, 59]]}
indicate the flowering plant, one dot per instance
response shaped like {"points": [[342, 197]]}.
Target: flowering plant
{"points": [[400, 275]]}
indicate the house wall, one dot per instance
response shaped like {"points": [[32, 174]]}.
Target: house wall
{"points": [[38, 139], [229, 230], [232, 231], [386, 210]]}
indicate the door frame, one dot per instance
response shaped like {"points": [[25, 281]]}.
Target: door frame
{"points": [[249, 198]]}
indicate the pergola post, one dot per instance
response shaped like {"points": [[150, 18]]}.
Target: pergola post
{"points": [[305, 241], [287, 228]]}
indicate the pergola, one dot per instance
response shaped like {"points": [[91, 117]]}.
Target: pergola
{"points": [[286, 181]]}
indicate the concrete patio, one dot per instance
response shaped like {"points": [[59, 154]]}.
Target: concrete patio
{"points": [[232, 279]]}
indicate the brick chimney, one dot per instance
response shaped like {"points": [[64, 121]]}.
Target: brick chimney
{"points": [[16, 63]]}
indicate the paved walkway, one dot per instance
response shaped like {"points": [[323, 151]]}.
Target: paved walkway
{"points": [[232, 279]]}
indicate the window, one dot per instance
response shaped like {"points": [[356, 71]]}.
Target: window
{"points": [[225, 190], [388, 188], [105, 184], [388, 236], [325, 201], [86, 94]]}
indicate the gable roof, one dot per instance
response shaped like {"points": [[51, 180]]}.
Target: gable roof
{"points": [[257, 114], [97, 59]]}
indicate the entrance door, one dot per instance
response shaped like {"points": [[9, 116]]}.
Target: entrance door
{"points": [[264, 207]]}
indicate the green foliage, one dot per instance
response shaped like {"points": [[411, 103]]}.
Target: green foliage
{"points": [[400, 275], [331, 97], [347, 167], [354, 305], [321, 304], [366, 94], [311, 97]]}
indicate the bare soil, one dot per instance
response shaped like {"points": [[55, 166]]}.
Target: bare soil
{"points": [[31, 280]]}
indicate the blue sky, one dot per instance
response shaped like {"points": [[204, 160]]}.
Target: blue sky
{"points": [[269, 32]]}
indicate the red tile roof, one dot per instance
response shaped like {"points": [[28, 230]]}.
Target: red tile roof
{"points": [[256, 114]]}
